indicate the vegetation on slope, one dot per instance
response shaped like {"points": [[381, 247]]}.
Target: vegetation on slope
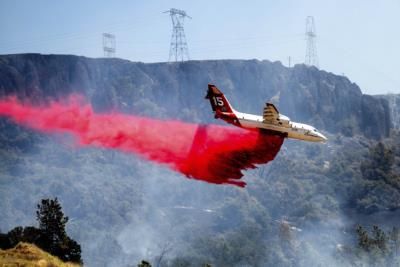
{"points": [[300, 210], [51, 235], [29, 255]]}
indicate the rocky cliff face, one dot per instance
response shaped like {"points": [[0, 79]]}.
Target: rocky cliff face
{"points": [[394, 108], [117, 201], [306, 94]]}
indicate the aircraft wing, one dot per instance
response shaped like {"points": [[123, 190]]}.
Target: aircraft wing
{"points": [[271, 114]]}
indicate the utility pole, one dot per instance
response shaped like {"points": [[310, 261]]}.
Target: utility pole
{"points": [[311, 48], [109, 45], [178, 48]]}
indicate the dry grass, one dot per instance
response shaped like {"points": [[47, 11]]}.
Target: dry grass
{"points": [[28, 255]]}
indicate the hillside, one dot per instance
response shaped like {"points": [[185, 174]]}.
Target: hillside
{"points": [[28, 255], [123, 209], [394, 108], [176, 90]]}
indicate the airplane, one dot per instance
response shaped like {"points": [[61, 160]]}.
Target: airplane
{"points": [[271, 121]]}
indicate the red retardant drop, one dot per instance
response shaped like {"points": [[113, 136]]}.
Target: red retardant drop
{"points": [[211, 153]]}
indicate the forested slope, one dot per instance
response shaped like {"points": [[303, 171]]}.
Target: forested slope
{"points": [[299, 210]]}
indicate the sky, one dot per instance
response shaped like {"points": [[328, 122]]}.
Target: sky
{"points": [[359, 39]]}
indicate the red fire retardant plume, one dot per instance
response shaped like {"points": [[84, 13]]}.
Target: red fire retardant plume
{"points": [[211, 153]]}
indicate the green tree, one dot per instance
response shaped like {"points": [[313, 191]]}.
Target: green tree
{"points": [[378, 165], [395, 238], [379, 239], [379, 187], [28, 234], [144, 264], [374, 249], [54, 239], [15, 235], [51, 235], [52, 220], [4, 241]]}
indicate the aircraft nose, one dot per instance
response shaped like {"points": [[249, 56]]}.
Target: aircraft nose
{"points": [[323, 137]]}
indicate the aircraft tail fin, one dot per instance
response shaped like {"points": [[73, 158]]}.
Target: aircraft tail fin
{"points": [[218, 101]]}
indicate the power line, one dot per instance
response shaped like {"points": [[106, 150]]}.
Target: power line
{"points": [[178, 48], [311, 49], [109, 45]]}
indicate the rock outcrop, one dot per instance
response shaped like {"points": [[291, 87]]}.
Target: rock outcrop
{"points": [[330, 102]]}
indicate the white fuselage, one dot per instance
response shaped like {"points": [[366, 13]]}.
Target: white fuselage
{"points": [[292, 129]]}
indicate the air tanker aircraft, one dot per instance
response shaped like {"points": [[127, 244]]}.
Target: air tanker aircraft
{"points": [[270, 121]]}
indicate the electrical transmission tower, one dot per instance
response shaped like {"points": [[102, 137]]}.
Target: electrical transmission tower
{"points": [[311, 49], [109, 45], [179, 48]]}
